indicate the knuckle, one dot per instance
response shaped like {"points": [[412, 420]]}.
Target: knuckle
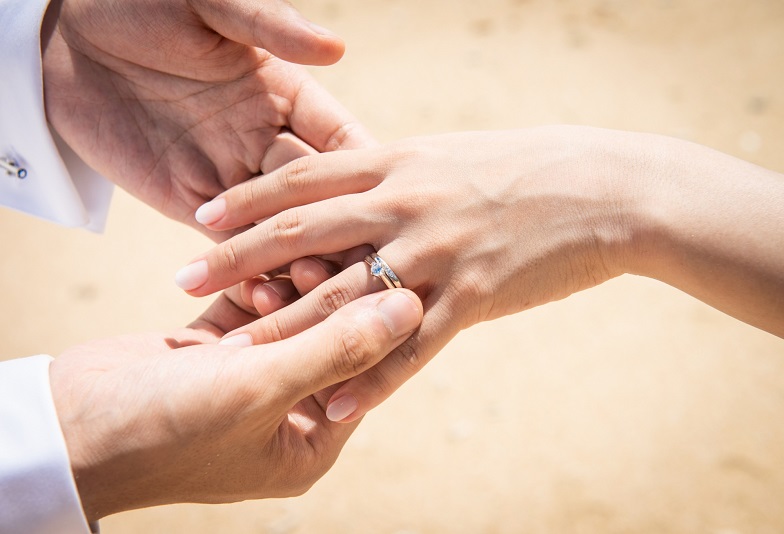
{"points": [[296, 176], [230, 255], [333, 298], [407, 359], [355, 350], [249, 194], [288, 229], [340, 135], [272, 329], [472, 294], [378, 383], [382, 380]]}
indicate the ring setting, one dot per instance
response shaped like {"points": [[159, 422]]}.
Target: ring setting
{"points": [[380, 269]]}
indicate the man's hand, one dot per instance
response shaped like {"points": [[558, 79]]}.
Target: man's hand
{"points": [[166, 418], [175, 101]]}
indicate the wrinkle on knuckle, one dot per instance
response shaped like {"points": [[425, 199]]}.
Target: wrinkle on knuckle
{"points": [[230, 256], [378, 384], [337, 138], [470, 293], [334, 298], [249, 195], [296, 177], [407, 359], [288, 229], [273, 329], [355, 350]]}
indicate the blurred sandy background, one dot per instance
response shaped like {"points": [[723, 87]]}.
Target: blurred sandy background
{"points": [[628, 408]]}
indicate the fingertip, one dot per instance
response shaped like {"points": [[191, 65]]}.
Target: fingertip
{"points": [[301, 41], [333, 46], [211, 212], [238, 340], [342, 408], [309, 272], [192, 276], [271, 296]]}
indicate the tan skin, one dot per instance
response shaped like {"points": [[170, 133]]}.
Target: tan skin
{"points": [[162, 418], [176, 101], [486, 224]]}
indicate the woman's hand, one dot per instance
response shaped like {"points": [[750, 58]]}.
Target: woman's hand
{"points": [[481, 225]]}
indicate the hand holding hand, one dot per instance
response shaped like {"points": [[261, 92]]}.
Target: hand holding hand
{"points": [[166, 418], [481, 225], [476, 224]]}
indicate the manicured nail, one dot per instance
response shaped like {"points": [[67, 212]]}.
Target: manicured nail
{"points": [[192, 276], [211, 212], [399, 313], [321, 31], [240, 340], [341, 408]]}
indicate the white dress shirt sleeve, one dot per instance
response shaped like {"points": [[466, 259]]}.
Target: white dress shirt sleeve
{"points": [[58, 186], [37, 490]]}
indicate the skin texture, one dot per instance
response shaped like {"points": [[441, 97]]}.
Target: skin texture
{"points": [[482, 225], [172, 417], [176, 101]]}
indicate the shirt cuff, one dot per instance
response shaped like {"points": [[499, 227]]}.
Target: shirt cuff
{"points": [[37, 489], [58, 185]]}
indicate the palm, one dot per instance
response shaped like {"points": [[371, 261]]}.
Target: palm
{"points": [[166, 107]]}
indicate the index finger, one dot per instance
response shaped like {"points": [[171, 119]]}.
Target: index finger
{"points": [[303, 181], [318, 229]]}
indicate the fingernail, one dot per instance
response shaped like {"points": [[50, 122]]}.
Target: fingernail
{"points": [[283, 289], [399, 313], [240, 340], [321, 31], [211, 212], [192, 276], [341, 408]]}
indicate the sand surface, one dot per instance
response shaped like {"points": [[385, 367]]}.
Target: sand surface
{"points": [[627, 408]]}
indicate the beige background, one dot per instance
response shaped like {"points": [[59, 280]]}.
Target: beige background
{"points": [[628, 408]]}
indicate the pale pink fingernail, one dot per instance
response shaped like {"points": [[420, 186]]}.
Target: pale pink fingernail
{"points": [[211, 212], [192, 276], [342, 408], [240, 340]]}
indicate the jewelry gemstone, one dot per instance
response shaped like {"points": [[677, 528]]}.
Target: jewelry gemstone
{"points": [[376, 268]]}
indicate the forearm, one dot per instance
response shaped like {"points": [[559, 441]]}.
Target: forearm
{"points": [[713, 226]]}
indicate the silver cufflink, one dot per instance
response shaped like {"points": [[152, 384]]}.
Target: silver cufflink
{"points": [[12, 168]]}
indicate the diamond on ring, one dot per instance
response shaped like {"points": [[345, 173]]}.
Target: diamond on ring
{"points": [[380, 269]]}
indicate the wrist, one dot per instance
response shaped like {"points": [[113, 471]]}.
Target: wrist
{"points": [[83, 442], [641, 192], [616, 172]]}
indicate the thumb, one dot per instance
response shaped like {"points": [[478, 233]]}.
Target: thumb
{"points": [[348, 342], [274, 25]]}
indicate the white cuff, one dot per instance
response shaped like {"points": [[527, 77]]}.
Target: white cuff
{"points": [[58, 186], [37, 491]]}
